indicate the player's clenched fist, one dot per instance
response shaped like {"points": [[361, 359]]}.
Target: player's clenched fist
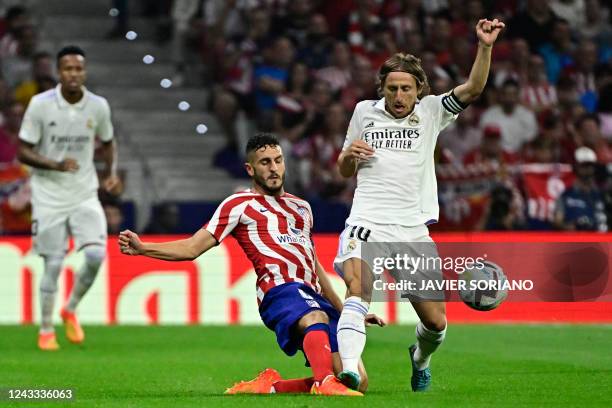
{"points": [[487, 30], [130, 243], [360, 150]]}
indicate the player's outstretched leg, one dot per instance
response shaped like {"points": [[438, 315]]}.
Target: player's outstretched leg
{"points": [[430, 333], [94, 255], [351, 326], [47, 293], [317, 348]]}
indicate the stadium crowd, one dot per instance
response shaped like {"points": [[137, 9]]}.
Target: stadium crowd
{"points": [[535, 152]]}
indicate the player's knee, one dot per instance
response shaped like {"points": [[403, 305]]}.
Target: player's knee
{"points": [[53, 267], [314, 317], [94, 254], [435, 323]]}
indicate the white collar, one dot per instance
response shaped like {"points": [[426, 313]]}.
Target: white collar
{"points": [[63, 103]]}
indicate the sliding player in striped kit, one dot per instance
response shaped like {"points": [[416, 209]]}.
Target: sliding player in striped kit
{"points": [[390, 146], [295, 297]]}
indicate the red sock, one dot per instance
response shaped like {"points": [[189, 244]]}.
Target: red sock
{"points": [[294, 385], [317, 350]]}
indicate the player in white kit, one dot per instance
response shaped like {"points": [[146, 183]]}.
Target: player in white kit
{"points": [[390, 146], [57, 138]]}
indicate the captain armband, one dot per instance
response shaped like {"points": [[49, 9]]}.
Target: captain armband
{"points": [[452, 104]]}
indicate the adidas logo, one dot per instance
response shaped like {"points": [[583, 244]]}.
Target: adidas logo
{"points": [[369, 125], [52, 123]]}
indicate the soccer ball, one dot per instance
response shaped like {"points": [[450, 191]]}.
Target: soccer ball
{"points": [[484, 287]]}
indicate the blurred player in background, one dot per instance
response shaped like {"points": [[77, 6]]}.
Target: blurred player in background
{"points": [[57, 139], [390, 146], [296, 299]]}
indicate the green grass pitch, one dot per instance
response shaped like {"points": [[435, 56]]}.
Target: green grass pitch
{"points": [[478, 366]]}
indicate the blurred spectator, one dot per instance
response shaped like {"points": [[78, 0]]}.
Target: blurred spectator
{"points": [[534, 24], [18, 68], [270, 78], [318, 153], [295, 23], [582, 71], [363, 84], [165, 219], [461, 137], [558, 52], [503, 214], [114, 215], [517, 123], [15, 19], [42, 79], [597, 27], [317, 101], [9, 132], [291, 116], [318, 44], [517, 66], [574, 11], [536, 92], [5, 98], [589, 135], [338, 74], [407, 22], [490, 150], [581, 206], [440, 39], [359, 24]]}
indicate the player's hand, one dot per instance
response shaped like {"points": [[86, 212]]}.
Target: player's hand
{"points": [[487, 31], [69, 165], [360, 150], [112, 185], [130, 243], [371, 319]]}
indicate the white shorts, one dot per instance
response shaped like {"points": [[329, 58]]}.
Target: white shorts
{"points": [[377, 242], [349, 245], [51, 228]]}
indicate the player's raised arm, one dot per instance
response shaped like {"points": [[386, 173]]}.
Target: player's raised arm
{"points": [[487, 32], [180, 250]]}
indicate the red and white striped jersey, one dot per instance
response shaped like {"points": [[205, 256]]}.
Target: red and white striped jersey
{"points": [[274, 233]]}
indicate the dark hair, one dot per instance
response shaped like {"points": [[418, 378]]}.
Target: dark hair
{"points": [[260, 140], [408, 63], [70, 50], [587, 116], [15, 11]]}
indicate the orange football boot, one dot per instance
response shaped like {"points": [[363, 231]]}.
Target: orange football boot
{"points": [[332, 386], [262, 384], [47, 342], [74, 332]]}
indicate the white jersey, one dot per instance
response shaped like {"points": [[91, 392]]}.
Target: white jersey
{"points": [[61, 130], [398, 184]]}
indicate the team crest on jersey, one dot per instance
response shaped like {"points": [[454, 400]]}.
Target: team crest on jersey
{"points": [[352, 244], [414, 119], [90, 123]]}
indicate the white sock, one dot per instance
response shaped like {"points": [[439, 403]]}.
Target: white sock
{"points": [[427, 342], [48, 291], [94, 255], [351, 332]]}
